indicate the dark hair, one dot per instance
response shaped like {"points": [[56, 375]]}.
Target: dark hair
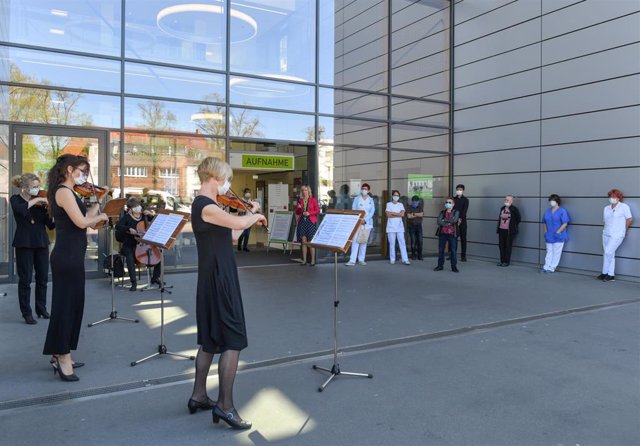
{"points": [[246, 189], [58, 174], [415, 198], [460, 186], [395, 192], [365, 185], [555, 198], [615, 193], [133, 202]]}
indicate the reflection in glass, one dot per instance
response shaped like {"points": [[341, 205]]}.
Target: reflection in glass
{"points": [[36, 105], [58, 70], [191, 34], [326, 43], [271, 125], [153, 80], [352, 104], [284, 43], [271, 94], [162, 170], [91, 26], [4, 201], [166, 116]]}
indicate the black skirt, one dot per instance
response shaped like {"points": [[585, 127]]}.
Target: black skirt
{"points": [[306, 228]]}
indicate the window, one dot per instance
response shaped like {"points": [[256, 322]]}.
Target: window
{"points": [[168, 172], [134, 171]]}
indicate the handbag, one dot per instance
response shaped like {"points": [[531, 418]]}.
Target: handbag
{"points": [[363, 235]]}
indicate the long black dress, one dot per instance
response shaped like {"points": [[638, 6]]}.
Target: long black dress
{"points": [[219, 311], [67, 273]]}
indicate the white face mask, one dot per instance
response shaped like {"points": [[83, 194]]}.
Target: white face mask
{"points": [[34, 191], [507, 204], [459, 193], [247, 195], [613, 200], [553, 203], [137, 209], [364, 192], [222, 190], [80, 179], [395, 198]]}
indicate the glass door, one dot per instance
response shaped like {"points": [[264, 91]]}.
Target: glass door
{"points": [[35, 150]]}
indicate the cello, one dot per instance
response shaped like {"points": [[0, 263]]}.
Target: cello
{"points": [[147, 255]]}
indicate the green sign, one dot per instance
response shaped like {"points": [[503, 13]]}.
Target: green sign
{"points": [[420, 185], [267, 162]]}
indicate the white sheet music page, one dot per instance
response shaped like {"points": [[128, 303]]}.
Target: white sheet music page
{"points": [[162, 227], [335, 230]]}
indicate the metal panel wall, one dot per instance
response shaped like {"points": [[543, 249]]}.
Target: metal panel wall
{"points": [[547, 100]]}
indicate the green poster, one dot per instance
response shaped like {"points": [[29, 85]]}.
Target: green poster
{"points": [[420, 185]]}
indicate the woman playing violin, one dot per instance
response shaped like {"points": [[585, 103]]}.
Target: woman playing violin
{"points": [[219, 311], [127, 233], [67, 261], [31, 244]]}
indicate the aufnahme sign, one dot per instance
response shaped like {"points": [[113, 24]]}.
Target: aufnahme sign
{"points": [[262, 162]]}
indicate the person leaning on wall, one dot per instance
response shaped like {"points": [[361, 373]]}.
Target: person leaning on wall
{"points": [[507, 229], [555, 220], [617, 220]]}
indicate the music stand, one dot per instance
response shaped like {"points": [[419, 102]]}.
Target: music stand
{"points": [[162, 233], [336, 233], [113, 208]]}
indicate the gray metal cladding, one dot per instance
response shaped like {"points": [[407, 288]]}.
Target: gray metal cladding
{"points": [[547, 100]]}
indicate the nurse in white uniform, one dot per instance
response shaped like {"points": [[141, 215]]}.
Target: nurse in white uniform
{"points": [[395, 228], [617, 220], [362, 203]]}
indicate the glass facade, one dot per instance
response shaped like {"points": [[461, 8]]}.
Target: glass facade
{"points": [[362, 88]]}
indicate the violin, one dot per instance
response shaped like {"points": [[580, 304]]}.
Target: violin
{"points": [[147, 255], [233, 201], [41, 194], [88, 190]]}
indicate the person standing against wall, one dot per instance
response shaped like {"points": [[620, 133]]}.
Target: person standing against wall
{"points": [[447, 233], [31, 244], [507, 229], [365, 203], [617, 220], [415, 213], [395, 228], [555, 220], [462, 205]]}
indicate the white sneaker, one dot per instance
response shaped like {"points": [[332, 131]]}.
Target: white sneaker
{"points": [[363, 263], [393, 262], [349, 263], [406, 262]]}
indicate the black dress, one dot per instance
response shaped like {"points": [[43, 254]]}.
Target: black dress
{"points": [[67, 273], [219, 311]]}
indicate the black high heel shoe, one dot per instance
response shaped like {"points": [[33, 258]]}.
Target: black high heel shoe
{"points": [[194, 405], [43, 314], [231, 418], [75, 365], [63, 377]]}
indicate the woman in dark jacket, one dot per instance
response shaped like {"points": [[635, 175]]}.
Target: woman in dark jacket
{"points": [[507, 229]]}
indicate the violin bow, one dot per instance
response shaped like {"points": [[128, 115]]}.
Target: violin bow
{"points": [[241, 201]]}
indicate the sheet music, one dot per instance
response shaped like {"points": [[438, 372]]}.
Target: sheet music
{"points": [[335, 230], [162, 228]]}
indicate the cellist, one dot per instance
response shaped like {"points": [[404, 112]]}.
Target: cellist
{"points": [[128, 233]]}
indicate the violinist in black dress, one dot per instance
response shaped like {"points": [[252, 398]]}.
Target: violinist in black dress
{"points": [[219, 311], [67, 261], [31, 244]]}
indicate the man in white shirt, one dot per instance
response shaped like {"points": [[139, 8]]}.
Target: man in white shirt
{"points": [[617, 220]]}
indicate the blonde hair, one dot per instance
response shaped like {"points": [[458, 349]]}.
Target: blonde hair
{"points": [[23, 181], [215, 168], [308, 188]]}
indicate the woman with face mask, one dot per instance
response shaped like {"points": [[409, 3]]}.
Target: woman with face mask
{"points": [[127, 234], [447, 233], [307, 212], [555, 220], [507, 229], [31, 244], [617, 220], [365, 203], [219, 311], [243, 240], [395, 228], [67, 261]]}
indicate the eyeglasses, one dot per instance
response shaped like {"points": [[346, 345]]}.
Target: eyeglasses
{"points": [[449, 202]]}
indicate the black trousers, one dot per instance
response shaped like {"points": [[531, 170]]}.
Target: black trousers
{"points": [[452, 241], [28, 259], [129, 253], [505, 243], [415, 235], [462, 232], [244, 238]]}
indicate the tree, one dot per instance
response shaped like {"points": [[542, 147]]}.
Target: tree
{"points": [[156, 117]]}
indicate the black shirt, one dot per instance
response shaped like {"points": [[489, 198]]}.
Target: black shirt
{"points": [[30, 224], [461, 204], [122, 230]]}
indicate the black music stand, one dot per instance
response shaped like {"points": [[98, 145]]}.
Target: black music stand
{"points": [[113, 209], [157, 236], [336, 234]]}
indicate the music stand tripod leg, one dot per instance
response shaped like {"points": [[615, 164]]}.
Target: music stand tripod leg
{"points": [[162, 348], [335, 368], [114, 313]]}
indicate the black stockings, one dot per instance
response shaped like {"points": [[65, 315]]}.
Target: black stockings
{"points": [[227, 367], [203, 363]]}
